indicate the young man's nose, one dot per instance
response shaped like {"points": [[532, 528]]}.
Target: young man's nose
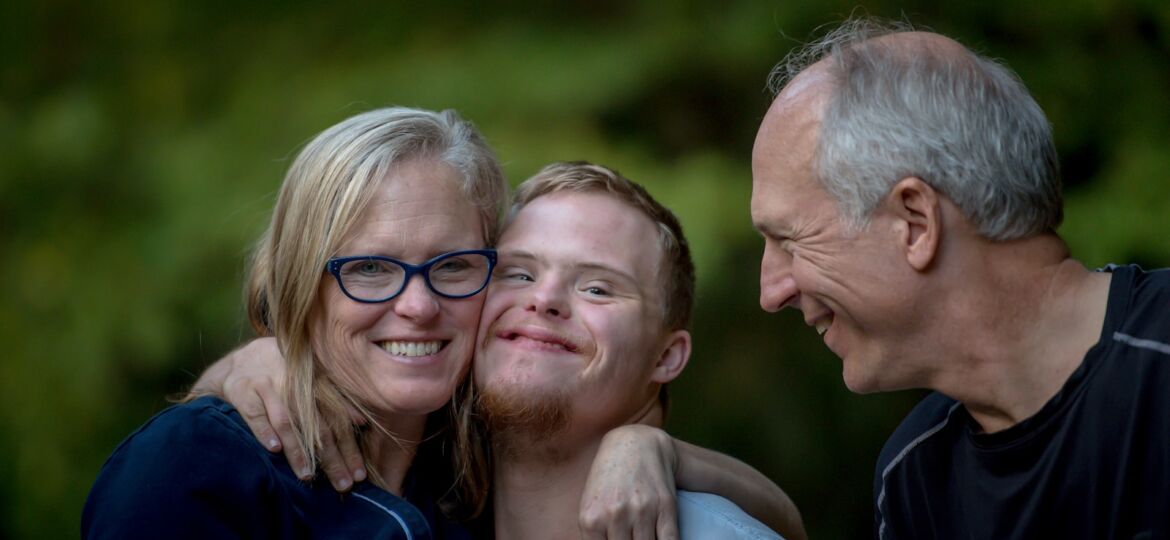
{"points": [[549, 298]]}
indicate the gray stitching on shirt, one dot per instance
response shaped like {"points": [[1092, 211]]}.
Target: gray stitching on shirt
{"points": [[898, 459], [1148, 344], [401, 521]]}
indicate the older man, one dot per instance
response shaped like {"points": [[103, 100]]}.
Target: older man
{"points": [[908, 193]]}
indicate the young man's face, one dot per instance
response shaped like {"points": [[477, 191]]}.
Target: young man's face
{"points": [[574, 314]]}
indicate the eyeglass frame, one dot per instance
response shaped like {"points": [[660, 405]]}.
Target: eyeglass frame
{"points": [[334, 264]]}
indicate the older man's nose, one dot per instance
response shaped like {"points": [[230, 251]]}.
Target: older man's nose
{"points": [[777, 286]]}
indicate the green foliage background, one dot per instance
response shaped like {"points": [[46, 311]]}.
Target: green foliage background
{"points": [[141, 145]]}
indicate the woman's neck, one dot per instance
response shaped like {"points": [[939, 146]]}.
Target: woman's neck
{"points": [[390, 447]]}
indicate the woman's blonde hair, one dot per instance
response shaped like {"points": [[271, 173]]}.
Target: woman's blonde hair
{"points": [[323, 196]]}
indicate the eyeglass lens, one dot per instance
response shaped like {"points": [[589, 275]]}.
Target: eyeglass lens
{"points": [[453, 275]]}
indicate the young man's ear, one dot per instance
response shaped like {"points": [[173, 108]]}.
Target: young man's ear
{"points": [[676, 352], [918, 211]]}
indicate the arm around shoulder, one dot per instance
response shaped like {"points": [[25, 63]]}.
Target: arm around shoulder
{"points": [[636, 471], [700, 469]]}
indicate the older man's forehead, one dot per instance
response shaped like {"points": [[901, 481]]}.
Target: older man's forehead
{"points": [[795, 112], [811, 82]]}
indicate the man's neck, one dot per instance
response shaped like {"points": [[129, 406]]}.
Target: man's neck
{"points": [[1023, 330], [537, 493]]}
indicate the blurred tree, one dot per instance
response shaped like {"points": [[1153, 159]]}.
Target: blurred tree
{"points": [[141, 143]]}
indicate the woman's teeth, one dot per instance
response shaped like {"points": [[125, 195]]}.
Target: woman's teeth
{"points": [[412, 348]]}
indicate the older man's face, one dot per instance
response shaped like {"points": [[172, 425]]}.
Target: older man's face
{"points": [[838, 278]]}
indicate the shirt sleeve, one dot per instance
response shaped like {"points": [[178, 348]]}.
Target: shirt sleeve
{"points": [[710, 517], [190, 472]]}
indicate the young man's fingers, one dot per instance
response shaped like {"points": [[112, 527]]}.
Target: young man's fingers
{"points": [[668, 523], [339, 474], [643, 532], [619, 532], [251, 407], [351, 456], [277, 416]]}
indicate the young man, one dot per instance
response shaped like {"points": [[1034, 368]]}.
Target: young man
{"points": [[585, 323], [908, 194]]}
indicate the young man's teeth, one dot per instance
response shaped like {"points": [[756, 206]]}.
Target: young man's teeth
{"points": [[411, 348], [823, 326]]}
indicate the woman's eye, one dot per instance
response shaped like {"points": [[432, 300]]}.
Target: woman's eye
{"points": [[453, 265], [369, 267]]}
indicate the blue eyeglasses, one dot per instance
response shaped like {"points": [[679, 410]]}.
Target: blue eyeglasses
{"points": [[371, 279]]}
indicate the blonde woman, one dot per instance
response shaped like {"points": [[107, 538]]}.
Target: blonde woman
{"points": [[370, 278]]}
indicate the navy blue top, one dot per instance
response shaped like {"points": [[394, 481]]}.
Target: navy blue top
{"points": [[1094, 462], [196, 471]]}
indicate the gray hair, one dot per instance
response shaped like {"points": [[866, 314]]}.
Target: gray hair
{"points": [[965, 125]]}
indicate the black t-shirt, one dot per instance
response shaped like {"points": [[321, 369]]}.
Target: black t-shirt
{"points": [[1094, 462]]}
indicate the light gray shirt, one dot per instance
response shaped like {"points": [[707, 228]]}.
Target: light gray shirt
{"points": [[704, 516]]}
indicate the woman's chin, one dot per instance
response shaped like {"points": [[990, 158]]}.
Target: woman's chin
{"points": [[413, 401]]}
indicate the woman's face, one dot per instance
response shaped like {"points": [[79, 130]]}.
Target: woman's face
{"points": [[406, 355]]}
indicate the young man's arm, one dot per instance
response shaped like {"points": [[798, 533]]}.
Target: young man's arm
{"points": [[250, 378], [658, 462]]}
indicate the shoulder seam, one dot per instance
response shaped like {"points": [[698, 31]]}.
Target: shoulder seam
{"points": [[1148, 344], [393, 514], [901, 455]]}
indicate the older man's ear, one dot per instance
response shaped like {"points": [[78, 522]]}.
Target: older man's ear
{"points": [[918, 210]]}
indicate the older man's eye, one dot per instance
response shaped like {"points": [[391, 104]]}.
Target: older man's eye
{"points": [[787, 244]]}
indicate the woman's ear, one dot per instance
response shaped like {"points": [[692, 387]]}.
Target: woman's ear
{"points": [[916, 207], [675, 354]]}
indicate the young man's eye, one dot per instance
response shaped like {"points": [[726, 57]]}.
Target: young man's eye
{"points": [[514, 274], [596, 291]]}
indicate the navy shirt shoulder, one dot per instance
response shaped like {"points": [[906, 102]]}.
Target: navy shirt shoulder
{"points": [[196, 471]]}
